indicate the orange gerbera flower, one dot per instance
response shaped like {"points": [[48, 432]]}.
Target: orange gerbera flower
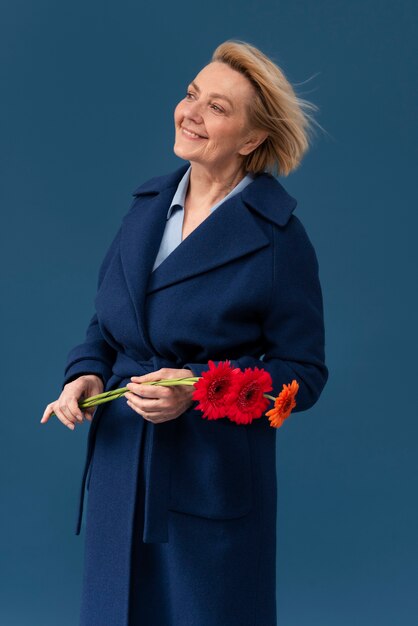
{"points": [[283, 404]]}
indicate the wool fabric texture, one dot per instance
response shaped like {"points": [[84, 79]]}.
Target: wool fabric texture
{"points": [[181, 515]]}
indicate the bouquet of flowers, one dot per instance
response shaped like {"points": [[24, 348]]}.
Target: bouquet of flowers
{"points": [[225, 391]]}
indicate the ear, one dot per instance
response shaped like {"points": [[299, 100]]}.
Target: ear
{"points": [[256, 138]]}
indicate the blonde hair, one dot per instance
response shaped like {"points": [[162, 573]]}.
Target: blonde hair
{"points": [[275, 108]]}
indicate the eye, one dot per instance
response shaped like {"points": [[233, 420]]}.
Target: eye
{"points": [[213, 105]]}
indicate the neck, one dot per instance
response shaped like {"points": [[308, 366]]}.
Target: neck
{"points": [[208, 186]]}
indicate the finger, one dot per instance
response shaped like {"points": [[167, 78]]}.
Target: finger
{"points": [[74, 409], [89, 413], [159, 419], [157, 375], [134, 408], [65, 410], [149, 391], [155, 418], [143, 404], [145, 411], [63, 418], [47, 413]]}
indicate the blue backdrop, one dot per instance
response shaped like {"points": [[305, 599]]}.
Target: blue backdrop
{"points": [[88, 94]]}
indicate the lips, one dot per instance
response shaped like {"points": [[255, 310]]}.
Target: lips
{"points": [[192, 131]]}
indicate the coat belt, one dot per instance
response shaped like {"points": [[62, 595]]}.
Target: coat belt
{"points": [[159, 438]]}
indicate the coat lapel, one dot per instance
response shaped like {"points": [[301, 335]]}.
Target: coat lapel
{"points": [[142, 230], [228, 233]]}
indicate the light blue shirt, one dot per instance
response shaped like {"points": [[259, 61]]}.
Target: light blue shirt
{"points": [[172, 233]]}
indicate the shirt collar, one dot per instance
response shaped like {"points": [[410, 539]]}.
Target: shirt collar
{"points": [[180, 195], [181, 191]]}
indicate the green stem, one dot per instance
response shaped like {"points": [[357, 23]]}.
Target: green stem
{"points": [[266, 395], [114, 394], [89, 402]]}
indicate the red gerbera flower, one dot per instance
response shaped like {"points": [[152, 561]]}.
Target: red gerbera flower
{"points": [[212, 388], [246, 400]]}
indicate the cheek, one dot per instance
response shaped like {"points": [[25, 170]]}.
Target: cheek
{"points": [[178, 112], [221, 137], [223, 131]]}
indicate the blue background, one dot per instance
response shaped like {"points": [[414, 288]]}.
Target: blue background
{"points": [[88, 95]]}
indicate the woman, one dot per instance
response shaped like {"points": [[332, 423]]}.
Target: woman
{"points": [[209, 263]]}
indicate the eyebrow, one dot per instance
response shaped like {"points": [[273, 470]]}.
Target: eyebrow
{"points": [[212, 95]]}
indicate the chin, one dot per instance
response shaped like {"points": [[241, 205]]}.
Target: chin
{"points": [[178, 151], [182, 151]]}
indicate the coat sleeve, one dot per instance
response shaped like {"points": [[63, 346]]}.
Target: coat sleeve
{"points": [[293, 324], [94, 355]]}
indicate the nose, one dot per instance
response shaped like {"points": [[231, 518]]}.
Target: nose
{"points": [[192, 110]]}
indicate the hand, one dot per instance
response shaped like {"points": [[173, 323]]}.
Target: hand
{"points": [[157, 403], [66, 407]]}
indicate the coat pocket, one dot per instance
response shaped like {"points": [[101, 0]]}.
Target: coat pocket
{"points": [[211, 472]]}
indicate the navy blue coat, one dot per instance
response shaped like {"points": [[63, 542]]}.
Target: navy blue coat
{"points": [[244, 286]]}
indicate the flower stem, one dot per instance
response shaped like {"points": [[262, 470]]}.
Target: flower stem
{"points": [[266, 395], [114, 394]]}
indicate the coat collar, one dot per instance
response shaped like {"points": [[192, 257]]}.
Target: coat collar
{"points": [[265, 194], [227, 234]]}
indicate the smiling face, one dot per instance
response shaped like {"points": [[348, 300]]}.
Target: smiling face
{"points": [[214, 108]]}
